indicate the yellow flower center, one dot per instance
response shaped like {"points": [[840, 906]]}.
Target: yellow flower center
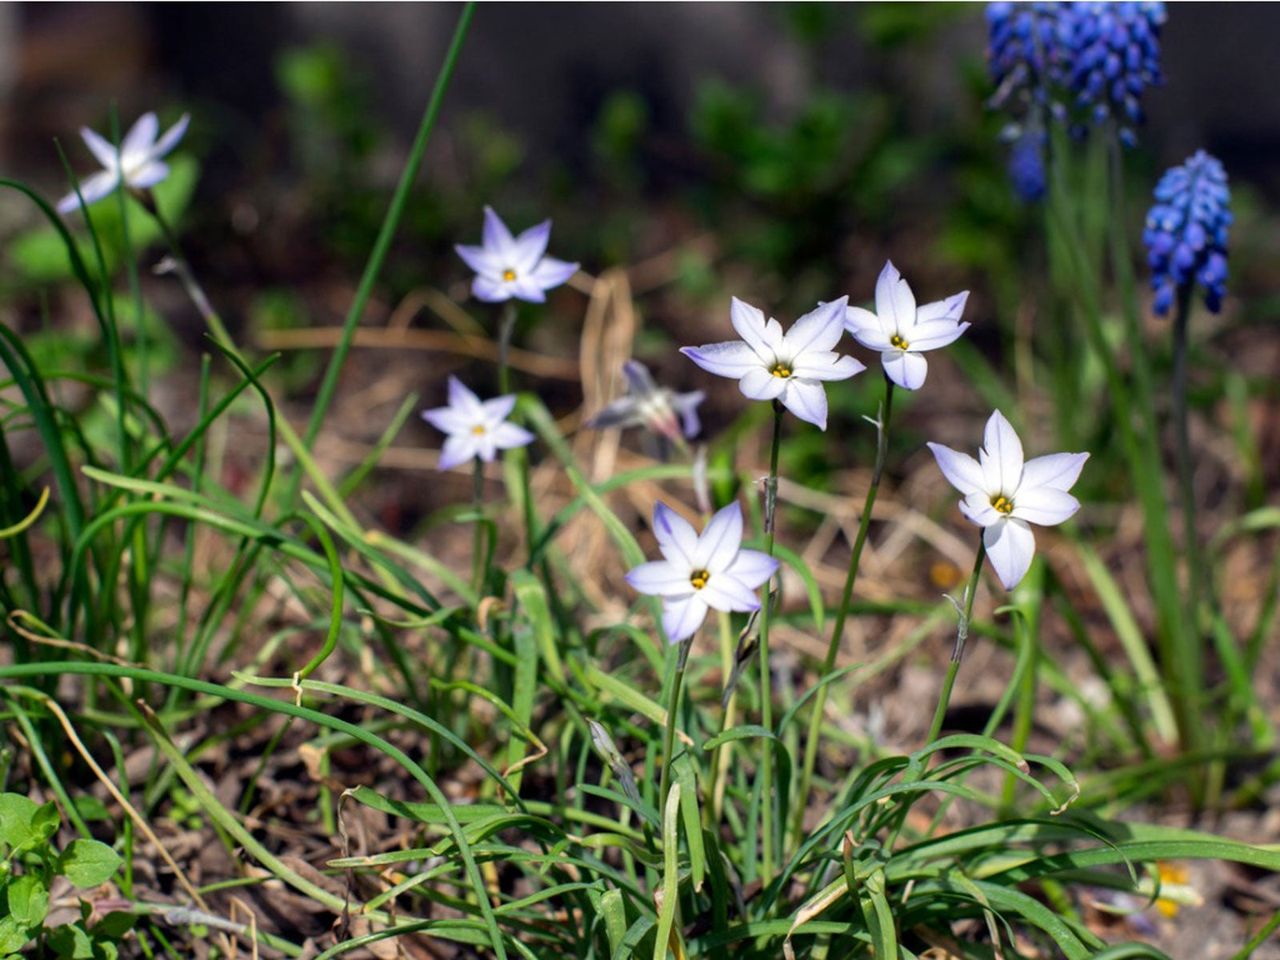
{"points": [[699, 579], [478, 430], [509, 275], [898, 341], [1002, 503], [780, 369]]}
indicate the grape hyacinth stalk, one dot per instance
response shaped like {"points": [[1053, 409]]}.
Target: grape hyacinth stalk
{"points": [[1186, 239]]}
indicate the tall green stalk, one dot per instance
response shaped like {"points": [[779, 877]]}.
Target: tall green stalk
{"points": [[957, 654], [1197, 571], [766, 677], [377, 256], [673, 712], [842, 614]]}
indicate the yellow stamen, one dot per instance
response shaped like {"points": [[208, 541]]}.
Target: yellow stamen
{"points": [[1002, 503], [780, 369], [478, 430], [897, 341], [509, 275], [699, 579]]}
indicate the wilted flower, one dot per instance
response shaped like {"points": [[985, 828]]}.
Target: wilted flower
{"points": [[475, 428], [509, 266], [901, 332], [138, 161], [1115, 55], [648, 405], [1186, 232], [1004, 495], [790, 367], [701, 572]]}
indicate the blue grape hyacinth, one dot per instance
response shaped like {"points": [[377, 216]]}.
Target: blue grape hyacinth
{"points": [[1028, 52], [1115, 56], [1186, 232]]}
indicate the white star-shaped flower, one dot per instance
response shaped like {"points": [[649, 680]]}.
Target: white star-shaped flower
{"points": [[901, 331], [701, 572], [475, 428], [508, 266], [1005, 495], [138, 162], [788, 367]]}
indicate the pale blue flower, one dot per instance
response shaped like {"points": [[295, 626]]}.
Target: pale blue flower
{"points": [[788, 367], [645, 404], [703, 572], [475, 428], [518, 267], [138, 162]]}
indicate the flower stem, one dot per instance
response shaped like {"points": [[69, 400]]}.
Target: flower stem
{"points": [[766, 677], [962, 634], [1182, 439], [477, 550], [842, 614], [506, 327], [673, 712], [179, 267]]}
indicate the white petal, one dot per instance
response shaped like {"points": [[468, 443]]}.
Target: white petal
{"points": [[508, 435], [732, 358], [866, 328], [141, 138], [449, 420], [461, 398], [807, 400], [531, 245], [817, 330], [904, 307], [551, 272], [1002, 455], [753, 567], [489, 289], [148, 175], [906, 368], [1010, 548], [885, 283], [750, 324], [676, 538], [498, 409], [682, 618], [171, 137], [826, 365], [486, 449], [92, 189], [661, 579], [936, 334], [759, 384], [1045, 506], [102, 149], [496, 237], [718, 545], [528, 289], [951, 309], [725, 592], [961, 470], [978, 509], [480, 260], [457, 449], [1057, 470]]}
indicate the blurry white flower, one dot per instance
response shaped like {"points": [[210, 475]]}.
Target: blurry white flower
{"points": [[1004, 495], [509, 266], [475, 428], [790, 367], [901, 331], [701, 572], [138, 162], [648, 405]]}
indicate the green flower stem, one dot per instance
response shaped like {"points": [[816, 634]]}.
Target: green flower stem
{"points": [[766, 678], [506, 329], [718, 776], [181, 268], [962, 634], [1182, 439], [477, 542], [673, 712], [842, 614]]}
